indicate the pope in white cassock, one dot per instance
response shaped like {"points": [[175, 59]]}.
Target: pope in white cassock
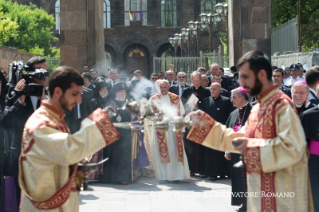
{"points": [[167, 147]]}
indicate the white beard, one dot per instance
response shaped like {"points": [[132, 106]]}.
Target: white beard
{"points": [[120, 99]]}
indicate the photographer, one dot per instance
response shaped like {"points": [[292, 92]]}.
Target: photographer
{"points": [[19, 108], [4, 145]]}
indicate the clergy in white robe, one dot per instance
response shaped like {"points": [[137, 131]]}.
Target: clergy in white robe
{"points": [[167, 146]]}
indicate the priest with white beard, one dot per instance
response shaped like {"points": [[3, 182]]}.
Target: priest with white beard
{"points": [[167, 147]]}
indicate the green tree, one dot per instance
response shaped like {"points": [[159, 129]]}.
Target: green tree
{"points": [[223, 39], [8, 28], [285, 10], [34, 32]]}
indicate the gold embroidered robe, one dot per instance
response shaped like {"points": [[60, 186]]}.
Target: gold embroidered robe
{"points": [[276, 158], [167, 148], [49, 157]]}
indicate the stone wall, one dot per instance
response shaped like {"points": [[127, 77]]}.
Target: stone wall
{"points": [[8, 55], [250, 29], [82, 39]]}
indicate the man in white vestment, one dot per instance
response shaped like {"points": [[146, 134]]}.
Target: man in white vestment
{"points": [[167, 147]]}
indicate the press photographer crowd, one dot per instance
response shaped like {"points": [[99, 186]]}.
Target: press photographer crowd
{"points": [[257, 126]]}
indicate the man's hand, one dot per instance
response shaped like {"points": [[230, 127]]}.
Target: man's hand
{"points": [[242, 147], [227, 156], [196, 116], [192, 106], [86, 159], [20, 87]]}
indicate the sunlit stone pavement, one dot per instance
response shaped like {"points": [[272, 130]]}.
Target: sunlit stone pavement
{"points": [[195, 194]]}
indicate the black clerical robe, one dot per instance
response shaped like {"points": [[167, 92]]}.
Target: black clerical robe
{"points": [[303, 108], [219, 109], [118, 168], [238, 175], [309, 120], [194, 152]]}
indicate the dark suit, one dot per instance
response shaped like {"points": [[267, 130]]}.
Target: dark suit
{"points": [[91, 86], [223, 92], [109, 82], [194, 151], [4, 91], [309, 120], [286, 90], [173, 83], [14, 118], [313, 98], [231, 82], [200, 93], [86, 106], [224, 82], [219, 109], [85, 109], [238, 176], [175, 89]]}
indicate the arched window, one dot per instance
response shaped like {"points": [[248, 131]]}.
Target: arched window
{"points": [[135, 10], [168, 13], [106, 14], [207, 6], [57, 15]]}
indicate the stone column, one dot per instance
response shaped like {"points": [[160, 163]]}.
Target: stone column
{"points": [[82, 34], [249, 28]]}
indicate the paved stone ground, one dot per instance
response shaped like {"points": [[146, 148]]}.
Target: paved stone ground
{"points": [[195, 194]]}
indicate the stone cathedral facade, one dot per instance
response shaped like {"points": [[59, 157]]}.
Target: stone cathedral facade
{"points": [[136, 31]]}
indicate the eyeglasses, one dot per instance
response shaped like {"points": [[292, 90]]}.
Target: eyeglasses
{"points": [[300, 93], [181, 77]]}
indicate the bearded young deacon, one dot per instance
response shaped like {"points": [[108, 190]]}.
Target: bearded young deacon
{"points": [[50, 152], [236, 121], [167, 148], [272, 141]]}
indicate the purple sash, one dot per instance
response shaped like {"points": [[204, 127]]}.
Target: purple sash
{"points": [[236, 128], [314, 147]]}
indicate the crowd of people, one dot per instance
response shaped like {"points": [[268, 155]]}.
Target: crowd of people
{"points": [[167, 154]]}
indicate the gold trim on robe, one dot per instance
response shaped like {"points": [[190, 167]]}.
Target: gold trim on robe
{"points": [[49, 157], [161, 136], [276, 158]]}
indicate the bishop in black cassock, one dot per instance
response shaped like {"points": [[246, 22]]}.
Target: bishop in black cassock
{"points": [[309, 120], [219, 108], [236, 120], [194, 152]]}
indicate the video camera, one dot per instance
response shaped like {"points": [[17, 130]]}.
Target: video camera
{"points": [[18, 71]]}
